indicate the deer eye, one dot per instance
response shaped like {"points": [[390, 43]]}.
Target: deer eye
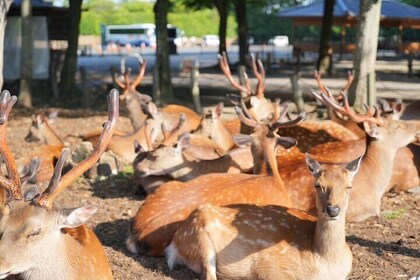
{"points": [[317, 185], [33, 234]]}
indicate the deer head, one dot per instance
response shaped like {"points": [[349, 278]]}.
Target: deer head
{"points": [[394, 133], [333, 186], [33, 232], [262, 108], [135, 102], [40, 130]]}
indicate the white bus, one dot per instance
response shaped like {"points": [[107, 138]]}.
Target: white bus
{"points": [[134, 34]]}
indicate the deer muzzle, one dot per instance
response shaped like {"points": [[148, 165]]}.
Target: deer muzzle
{"points": [[333, 211]]}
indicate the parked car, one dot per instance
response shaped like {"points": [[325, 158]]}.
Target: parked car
{"points": [[279, 41], [211, 40]]}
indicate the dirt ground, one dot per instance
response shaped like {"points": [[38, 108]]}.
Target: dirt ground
{"points": [[386, 247]]}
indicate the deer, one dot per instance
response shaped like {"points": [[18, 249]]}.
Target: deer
{"points": [[40, 241], [215, 128], [49, 151], [385, 137], [405, 172], [135, 102], [163, 211], [186, 161], [246, 241]]}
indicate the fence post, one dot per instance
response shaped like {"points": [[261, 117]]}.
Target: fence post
{"points": [[195, 89], [297, 93]]}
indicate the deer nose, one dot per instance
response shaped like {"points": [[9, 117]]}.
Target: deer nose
{"points": [[143, 173], [333, 211]]}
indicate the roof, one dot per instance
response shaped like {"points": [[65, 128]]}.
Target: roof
{"points": [[391, 9]]}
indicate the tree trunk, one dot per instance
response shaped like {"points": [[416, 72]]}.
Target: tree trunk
{"points": [[163, 93], [4, 8], [25, 91], [222, 8], [68, 75], [324, 62], [363, 88], [240, 7]]}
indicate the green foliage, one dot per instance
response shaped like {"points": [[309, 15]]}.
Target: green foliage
{"points": [[194, 23], [415, 3], [396, 214]]}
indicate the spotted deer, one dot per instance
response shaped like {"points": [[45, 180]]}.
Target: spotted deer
{"points": [[215, 128], [187, 160], [385, 137], [163, 211], [271, 242], [405, 174], [38, 240]]}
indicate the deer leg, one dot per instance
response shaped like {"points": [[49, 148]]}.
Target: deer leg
{"points": [[194, 247]]}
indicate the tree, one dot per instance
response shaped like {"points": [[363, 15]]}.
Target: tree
{"points": [[68, 75], [363, 89], [324, 62], [222, 9], [4, 8], [162, 75], [25, 91], [240, 9]]}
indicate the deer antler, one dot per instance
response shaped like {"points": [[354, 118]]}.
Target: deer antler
{"points": [[169, 134], [294, 122], [58, 183], [347, 111], [245, 117], [142, 63], [350, 79], [11, 184], [224, 65], [259, 72]]}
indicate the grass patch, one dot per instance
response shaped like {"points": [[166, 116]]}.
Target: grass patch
{"points": [[395, 214]]}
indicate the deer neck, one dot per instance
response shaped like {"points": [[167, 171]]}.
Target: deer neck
{"points": [[329, 237], [222, 136], [265, 163], [51, 138], [136, 114], [377, 164]]}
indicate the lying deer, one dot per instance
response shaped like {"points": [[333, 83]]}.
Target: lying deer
{"points": [[42, 242], [271, 242], [405, 174], [163, 211], [385, 137], [187, 161], [215, 128]]}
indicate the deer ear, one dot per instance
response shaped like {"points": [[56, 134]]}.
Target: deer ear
{"points": [[74, 217], [353, 166], [217, 111], [31, 193], [286, 142], [153, 111], [313, 166], [242, 140], [183, 142], [371, 129]]}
